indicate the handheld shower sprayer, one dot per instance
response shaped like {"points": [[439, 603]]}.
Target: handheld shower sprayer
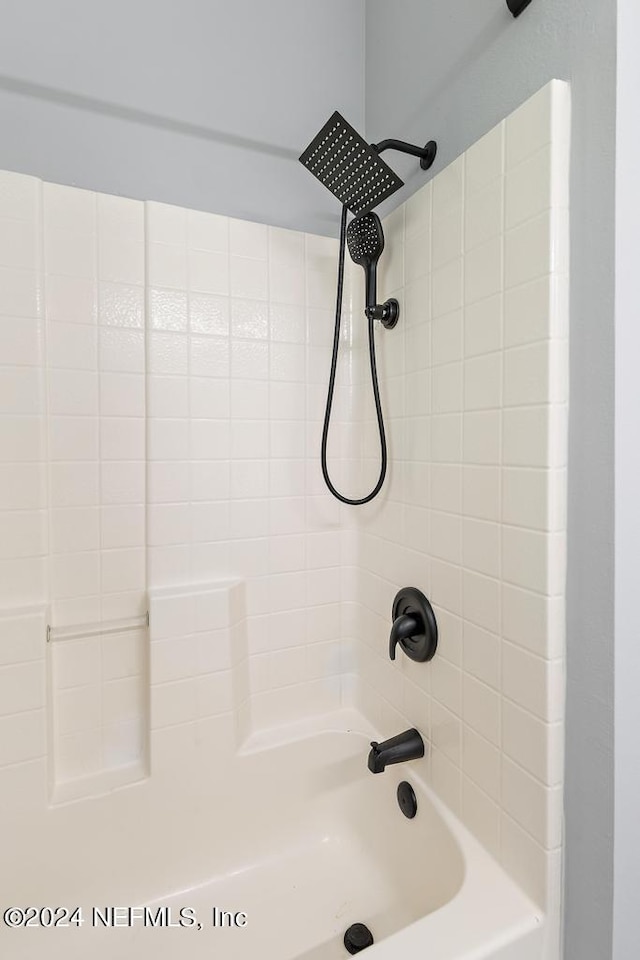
{"points": [[365, 242], [354, 172]]}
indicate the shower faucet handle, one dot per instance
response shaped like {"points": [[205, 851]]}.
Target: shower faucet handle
{"points": [[405, 627], [414, 626]]}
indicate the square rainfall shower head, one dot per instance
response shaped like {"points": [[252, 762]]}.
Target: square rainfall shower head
{"points": [[349, 167]]}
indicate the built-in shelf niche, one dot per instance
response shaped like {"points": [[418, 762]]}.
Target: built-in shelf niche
{"points": [[99, 710]]}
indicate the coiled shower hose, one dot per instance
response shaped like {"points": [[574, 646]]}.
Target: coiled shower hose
{"points": [[332, 383]]}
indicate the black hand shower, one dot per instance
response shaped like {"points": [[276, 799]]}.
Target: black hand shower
{"points": [[365, 241], [354, 173]]}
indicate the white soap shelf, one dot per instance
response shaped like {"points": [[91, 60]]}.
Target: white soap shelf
{"points": [[104, 628]]}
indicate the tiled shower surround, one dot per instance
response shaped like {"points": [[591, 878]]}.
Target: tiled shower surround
{"points": [[476, 388], [162, 384]]}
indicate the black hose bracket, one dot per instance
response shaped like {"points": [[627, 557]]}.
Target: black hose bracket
{"points": [[388, 313]]}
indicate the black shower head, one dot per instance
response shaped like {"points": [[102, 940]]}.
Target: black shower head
{"points": [[365, 240], [349, 167]]}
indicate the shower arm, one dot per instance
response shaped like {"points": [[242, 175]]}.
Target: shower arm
{"points": [[427, 154]]}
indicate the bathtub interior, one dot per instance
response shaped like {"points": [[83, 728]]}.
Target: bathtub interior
{"points": [[296, 833]]}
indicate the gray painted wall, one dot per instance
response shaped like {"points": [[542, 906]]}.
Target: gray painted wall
{"points": [[626, 917], [204, 103], [452, 70]]}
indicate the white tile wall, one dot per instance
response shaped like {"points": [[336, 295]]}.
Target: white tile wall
{"points": [[199, 658], [158, 368], [94, 282], [95, 371], [23, 527], [476, 388], [235, 333], [22, 686]]}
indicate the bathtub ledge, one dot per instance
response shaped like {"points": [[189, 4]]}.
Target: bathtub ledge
{"points": [[337, 721]]}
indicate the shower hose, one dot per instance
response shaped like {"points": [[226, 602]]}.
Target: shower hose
{"points": [[332, 383]]}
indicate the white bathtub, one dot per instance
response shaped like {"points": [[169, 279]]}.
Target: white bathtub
{"points": [[305, 841]]}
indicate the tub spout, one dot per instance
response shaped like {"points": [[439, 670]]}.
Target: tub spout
{"points": [[406, 746]]}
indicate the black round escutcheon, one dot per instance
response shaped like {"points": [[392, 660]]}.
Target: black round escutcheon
{"points": [[407, 800], [358, 937], [414, 626], [430, 151]]}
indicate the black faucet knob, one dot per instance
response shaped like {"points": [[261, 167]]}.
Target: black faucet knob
{"points": [[406, 626], [414, 626]]}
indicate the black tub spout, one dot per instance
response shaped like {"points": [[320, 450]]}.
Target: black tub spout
{"points": [[405, 746]]}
